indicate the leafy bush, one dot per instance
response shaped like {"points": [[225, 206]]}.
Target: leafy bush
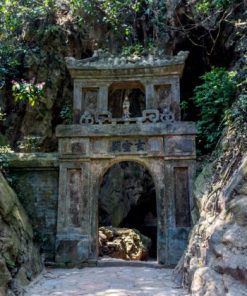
{"points": [[2, 114], [204, 6], [213, 98], [117, 14], [9, 61], [16, 14], [29, 144], [29, 92], [237, 115], [67, 114]]}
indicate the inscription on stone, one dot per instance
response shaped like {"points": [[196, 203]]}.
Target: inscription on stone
{"points": [[182, 202], [125, 146]]}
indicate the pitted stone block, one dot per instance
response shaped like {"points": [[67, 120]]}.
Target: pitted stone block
{"points": [[179, 145], [155, 145]]}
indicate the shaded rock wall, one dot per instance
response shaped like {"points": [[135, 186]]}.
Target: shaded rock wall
{"points": [[124, 186], [215, 262], [20, 261]]}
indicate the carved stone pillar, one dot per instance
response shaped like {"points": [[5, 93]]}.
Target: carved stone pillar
{"points": [[102, 104], [73, 241], [149, 92]]}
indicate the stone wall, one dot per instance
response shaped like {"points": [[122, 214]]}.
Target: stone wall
{"points": [[35, 180]]}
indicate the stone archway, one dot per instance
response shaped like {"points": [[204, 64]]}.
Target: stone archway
{"points": [[157, 170], [154, 137], [127, 199]]}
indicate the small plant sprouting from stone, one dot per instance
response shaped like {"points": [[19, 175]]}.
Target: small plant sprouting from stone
{"points": [[2, 115], [29, 92], [66, 114], [29, 144]]}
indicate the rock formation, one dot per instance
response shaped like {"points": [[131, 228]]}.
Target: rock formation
{"points": [[123, 243], [125, 185], [215, 262], [20, 261]]}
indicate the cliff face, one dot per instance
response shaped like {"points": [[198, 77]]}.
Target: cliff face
{"points": [[215, 262], [20, 261]]}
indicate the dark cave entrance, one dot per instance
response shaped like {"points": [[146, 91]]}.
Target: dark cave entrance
{"points": [[127, 200]]}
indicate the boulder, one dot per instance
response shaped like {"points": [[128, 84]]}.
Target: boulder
{"points": [[123, 243]]}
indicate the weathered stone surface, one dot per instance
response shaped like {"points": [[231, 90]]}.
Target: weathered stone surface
{"points": [[19, 258], [215, 262], [125, 186], [103, 60], [35, 178], [207, 282], [123, 243], [106, 281]]}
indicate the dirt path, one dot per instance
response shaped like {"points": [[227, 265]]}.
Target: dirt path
{"points": [[106, 281]]}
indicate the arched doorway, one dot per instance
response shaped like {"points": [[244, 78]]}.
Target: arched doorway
{"points": [[127, 200]]}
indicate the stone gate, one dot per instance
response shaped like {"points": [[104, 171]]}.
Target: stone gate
{"points": [[124, 110]]}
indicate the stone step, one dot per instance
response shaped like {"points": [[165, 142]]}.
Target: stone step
{"points": [[112, 262]]}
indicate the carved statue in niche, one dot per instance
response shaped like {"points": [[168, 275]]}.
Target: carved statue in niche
{"points": [[136, 99], [126, 107]]}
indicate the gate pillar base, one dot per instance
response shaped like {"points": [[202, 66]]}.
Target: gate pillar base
{"points": [[72, 250]]}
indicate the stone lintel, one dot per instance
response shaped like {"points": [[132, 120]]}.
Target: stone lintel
{"points": [[34, 161], [127, 73], [125, 157], [151, 129]]}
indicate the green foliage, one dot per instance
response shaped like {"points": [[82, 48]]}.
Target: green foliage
{"points": [[15, 14], [157, 17], [28, 92], [124, 18], [3, 159], [237, 115], [205, 6], [132, 50], [115, 13], [66, 114], [29, 144], [213, 98], [2, 115], [9, 61], [138, 49]]}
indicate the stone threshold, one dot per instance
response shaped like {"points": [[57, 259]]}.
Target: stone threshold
{"points": [[110, 262]]}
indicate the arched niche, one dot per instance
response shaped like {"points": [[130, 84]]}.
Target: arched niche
{"points": [[135, 91]]}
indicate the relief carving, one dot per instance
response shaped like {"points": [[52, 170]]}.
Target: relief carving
{"points": [[89, 97], [74, 193], [163, 96]]}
